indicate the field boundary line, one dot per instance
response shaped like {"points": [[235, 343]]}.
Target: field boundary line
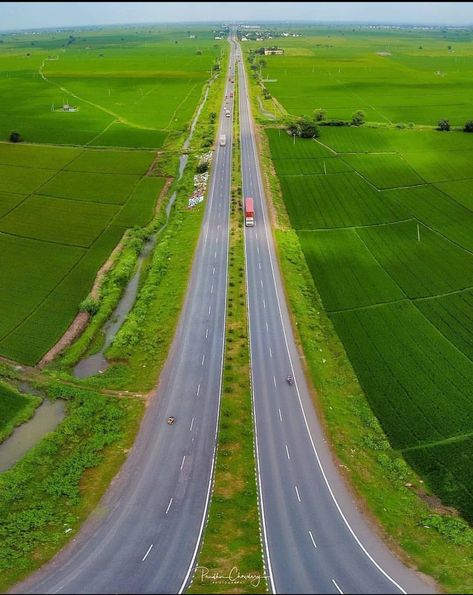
{"points": [[441, 295], [88, 143], [171, 119], [29, 195], [326, 146], [368, 306], [354, 227], [380, 265], [450, 440]]}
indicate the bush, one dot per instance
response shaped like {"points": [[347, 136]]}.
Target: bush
{"points": [[400, 125], [334, 123], [468, 126], [319, 115], [411, 125], [15, 137], [444, 125], [202, 167], [304, 128], [358, 118], [90, 305]]}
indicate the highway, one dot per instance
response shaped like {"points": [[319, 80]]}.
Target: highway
{"points": [[315, 538], [145, 534]]}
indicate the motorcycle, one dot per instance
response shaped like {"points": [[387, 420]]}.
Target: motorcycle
{"points": [[290, 380]]}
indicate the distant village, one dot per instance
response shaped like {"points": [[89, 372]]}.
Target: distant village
{"points": [[256, 33]]}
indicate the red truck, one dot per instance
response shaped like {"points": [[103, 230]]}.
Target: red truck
{"points": [[249, 212]]}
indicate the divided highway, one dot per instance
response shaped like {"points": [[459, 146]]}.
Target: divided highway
{"points": [[145, 535], [315, 539]]}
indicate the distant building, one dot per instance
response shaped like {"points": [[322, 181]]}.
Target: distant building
{"points": [[273, 51], [217, 37], [68, 108]]}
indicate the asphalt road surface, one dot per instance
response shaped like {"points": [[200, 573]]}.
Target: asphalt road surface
{"points": [[315, 539], [144, 536]]}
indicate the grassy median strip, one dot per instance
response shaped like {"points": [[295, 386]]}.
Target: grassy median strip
{"points": [[230, 560]]}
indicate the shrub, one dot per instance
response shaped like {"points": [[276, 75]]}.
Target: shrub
{"points": [[15, 137], [319, 115], [400, 125], [468, 126], [358, 118], [443, 125], [202, 167], [90, 305]]}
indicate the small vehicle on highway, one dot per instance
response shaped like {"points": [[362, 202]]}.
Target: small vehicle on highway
{"points": [[171, 420], [290, 380]]}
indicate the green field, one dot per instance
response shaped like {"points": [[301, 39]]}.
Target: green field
{"points": [[64, 209], [57, 229], [131, 86], [394, 76], [389, 245]]}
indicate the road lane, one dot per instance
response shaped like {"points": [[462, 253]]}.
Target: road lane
{"points": [[145, 534], [316, 540]]}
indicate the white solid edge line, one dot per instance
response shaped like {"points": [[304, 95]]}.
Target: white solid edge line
{"points": [[212, 470], [345, 520], [255, 425], [337, 587]]}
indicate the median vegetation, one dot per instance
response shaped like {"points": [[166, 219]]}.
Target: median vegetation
{"points": [[231, 560]]}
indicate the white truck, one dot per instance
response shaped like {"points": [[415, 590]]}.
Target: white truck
{"points": [[222, 141]]}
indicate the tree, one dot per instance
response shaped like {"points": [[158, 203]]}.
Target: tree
{"points": [[304, 128], [262, 62], [15, 137], [468, 126], [444, 125], [319, 115], [358, 118]]}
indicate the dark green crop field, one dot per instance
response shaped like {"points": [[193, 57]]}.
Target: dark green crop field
{"points": [[63, 209], [389, 243], [56, 233]]}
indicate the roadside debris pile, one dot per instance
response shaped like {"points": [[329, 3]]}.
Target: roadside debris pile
{"points": [[200, 182]]}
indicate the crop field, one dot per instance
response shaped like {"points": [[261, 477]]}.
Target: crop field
{"points": [[393, 76], [56, 228], [63, 209], [131, 87], [390, 247]]}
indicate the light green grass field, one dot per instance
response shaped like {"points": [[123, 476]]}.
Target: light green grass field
{"points": [[393, 76]]}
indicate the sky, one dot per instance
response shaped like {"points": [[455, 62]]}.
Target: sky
{"points": [[31, 15]]}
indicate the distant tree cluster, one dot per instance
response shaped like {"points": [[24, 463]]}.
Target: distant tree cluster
{"points": [[304, 128]]}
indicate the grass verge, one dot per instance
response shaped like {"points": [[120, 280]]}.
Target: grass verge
{"points": [[426, 535], [16, 409], [47, 495], [230, 560]]}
